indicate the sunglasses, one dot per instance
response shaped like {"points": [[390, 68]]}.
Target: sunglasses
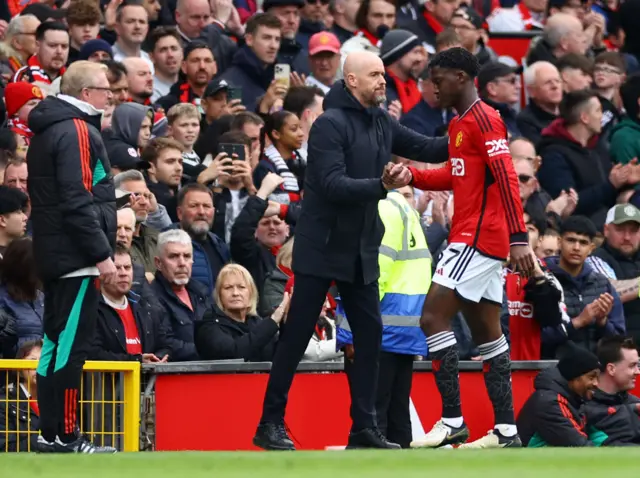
{"points": [[524, 178]]}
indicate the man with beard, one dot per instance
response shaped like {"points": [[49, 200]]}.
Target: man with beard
{"points": [[612, 416], [621, 251], [210, 253], [132, 25], [140, 79], [338, 239], [312, 15], [403, 57], [166, 53], [198, 68], [52, 50]]}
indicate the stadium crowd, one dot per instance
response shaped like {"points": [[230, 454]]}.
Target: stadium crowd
{"points": [[210, 107]]}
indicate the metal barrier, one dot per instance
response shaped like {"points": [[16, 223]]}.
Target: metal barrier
{"points": [[109, 404]]}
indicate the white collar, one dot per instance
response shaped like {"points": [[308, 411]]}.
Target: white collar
{"points": [[81, 105]]}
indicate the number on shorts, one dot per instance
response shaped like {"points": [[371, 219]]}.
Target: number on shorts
{"points": [[454, 254]]}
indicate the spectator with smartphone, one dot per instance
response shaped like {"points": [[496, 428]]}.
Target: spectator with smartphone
{"points": [[253, 64], [232, 175], [259, 231]]}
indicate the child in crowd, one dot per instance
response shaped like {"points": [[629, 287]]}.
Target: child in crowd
{"points": [[184, 127]]}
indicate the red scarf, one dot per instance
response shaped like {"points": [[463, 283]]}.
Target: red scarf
{"points": [[186, 94], [19, 127], [275, 250], [435, 25], [288, 272], [526, 17], [374, 40], [36, 73], [408, 92]]}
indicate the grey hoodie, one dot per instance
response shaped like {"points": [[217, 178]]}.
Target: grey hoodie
{"points": [[122, 139]]}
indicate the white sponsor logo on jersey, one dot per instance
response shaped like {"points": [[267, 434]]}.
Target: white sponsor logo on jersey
{"points": [[457, 167], [496, 147], [523, 309]]}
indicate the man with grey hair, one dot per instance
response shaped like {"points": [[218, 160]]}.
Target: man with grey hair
{"points": [[151, 218], [563, 34], [20, 41], [338, 238], [73, 215], [184, 300], [544, 87]]}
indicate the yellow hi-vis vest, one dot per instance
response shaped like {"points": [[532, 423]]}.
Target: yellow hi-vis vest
{"points": [[405, 277]]}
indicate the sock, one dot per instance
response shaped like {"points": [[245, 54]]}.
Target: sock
{"points": [[453, 422], [497, 379], [443, 352]]}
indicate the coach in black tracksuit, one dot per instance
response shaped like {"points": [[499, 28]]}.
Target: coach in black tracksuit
{"points": [[338, 237], [74, 228]]}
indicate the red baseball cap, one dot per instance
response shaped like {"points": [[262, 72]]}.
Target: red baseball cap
{"points": [[323, 41]]}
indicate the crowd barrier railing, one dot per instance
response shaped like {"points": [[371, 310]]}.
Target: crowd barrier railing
{"points": [[109, 404]]}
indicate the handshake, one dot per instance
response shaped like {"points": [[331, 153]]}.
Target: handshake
{"points": [[396, 176]]}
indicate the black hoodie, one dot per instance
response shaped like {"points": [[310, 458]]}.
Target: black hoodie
{"points": [[339, 231], [613, 420], [73, 202], [552, 415]]}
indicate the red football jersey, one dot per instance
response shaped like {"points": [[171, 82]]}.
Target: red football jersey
{"points": [[487, 207]]}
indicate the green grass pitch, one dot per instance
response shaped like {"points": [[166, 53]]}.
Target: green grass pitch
{"points": [[539, 463]]}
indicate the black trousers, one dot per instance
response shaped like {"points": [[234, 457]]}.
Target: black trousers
{"points": [[362, 305], [392, 398], [70, 314]]}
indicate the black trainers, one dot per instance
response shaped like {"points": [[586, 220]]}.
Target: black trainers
{"points": [[370, 438], [495, 439], [272, 436], [82, 445], [44, 446]]}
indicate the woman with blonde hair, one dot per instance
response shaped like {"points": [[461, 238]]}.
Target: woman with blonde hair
{"points": [[234, 330]]}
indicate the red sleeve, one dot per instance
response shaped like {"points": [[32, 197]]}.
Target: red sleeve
{"points": [[498, 157], [432, 179]]}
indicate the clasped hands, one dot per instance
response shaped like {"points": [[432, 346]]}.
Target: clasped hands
{"points": [[396, 176]]}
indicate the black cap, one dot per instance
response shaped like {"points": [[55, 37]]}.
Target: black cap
{"points": [[196, 45], [396, 44], [469, 14], [576, 361], [495, 69], [42, 12], [12, 200], [214, 86], [267, 4]]}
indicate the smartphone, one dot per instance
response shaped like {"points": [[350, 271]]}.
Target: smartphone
{"points": [[231, 149], [282, 74], [234, 93]]}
